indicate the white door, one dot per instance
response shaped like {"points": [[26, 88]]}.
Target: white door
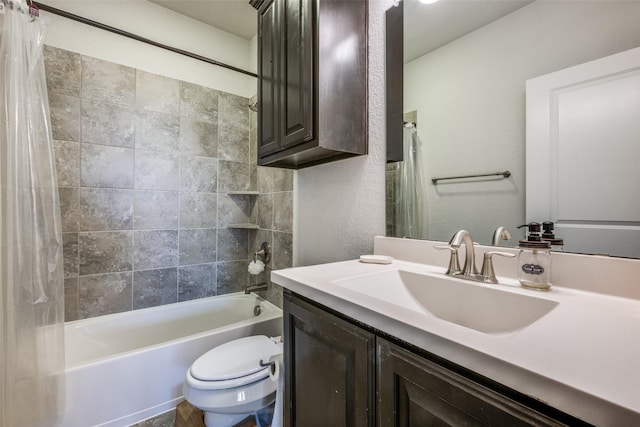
{"points": [[583, 154]]}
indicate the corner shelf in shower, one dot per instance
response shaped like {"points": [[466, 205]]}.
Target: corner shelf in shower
{"points": [[244, 226], [243, 193]]}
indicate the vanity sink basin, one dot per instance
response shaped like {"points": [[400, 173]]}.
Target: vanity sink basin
{"points": [[482, 307]]}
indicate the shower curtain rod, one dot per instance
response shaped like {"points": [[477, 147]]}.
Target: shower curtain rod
{"points": [[127, 34]]}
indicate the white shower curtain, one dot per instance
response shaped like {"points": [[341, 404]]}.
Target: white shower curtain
{"points": [[410, 193], [31, 269]]}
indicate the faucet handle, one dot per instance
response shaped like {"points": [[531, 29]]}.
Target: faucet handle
{"points": [[487, 272], [454, 264]]}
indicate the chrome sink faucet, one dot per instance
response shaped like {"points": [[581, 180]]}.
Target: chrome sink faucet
{"points": [[469, 271], [464, 237], [501, 233]]}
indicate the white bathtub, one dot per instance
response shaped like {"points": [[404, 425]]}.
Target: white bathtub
{"points": [[126, 367]]}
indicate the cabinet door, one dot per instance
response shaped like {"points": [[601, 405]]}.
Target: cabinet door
{"points": [[413, 391], [297, 31], [329, 380], [268, 68]]}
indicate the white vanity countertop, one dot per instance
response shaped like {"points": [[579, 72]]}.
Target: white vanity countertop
{"points": [[582, 358]]}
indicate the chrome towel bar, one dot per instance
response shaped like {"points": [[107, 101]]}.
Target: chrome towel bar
{"points": [[505, 174]]}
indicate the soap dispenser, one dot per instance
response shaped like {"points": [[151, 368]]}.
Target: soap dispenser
{"points": [[548, 235], [534, 259]]}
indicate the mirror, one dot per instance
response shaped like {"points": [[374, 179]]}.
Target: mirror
{"points": [[466, 64]]}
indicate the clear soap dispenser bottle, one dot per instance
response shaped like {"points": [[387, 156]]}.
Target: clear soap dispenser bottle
{"points": [[557, 244], [534, 260]]}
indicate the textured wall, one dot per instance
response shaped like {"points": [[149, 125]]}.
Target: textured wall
{"points": [[340, 207], [146, 165]]}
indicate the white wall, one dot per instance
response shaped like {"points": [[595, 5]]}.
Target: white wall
{"points": [[339, 207], [156, 23], [470, 98]]}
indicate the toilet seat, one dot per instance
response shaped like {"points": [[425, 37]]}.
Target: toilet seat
{"points": [[233, 364]]}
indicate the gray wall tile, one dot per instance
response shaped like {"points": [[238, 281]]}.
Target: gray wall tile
{"points": [[253, 137], [107, 124], [156, 171], [198, 210], [233, 128], [104, 294], [253, 177], [105, 166], [177, 144], [155, 287], [157, 93], [198, 102], [197, 246], [282, 250], [274, 294], [265, 179], [196, 281], [71, 299], [156, 210], [64, 111], [67, 163], [69, 207], [264, 205], [105, 252], [157, 131], [198, 174], [105, 209], [62, 69], [106, 81], [70, 254], [283, 211], [233, 176], [233, 276], [155, 249], [198, 138], [233, 244], [283, 179]]}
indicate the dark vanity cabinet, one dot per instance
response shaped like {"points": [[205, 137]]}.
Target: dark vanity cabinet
{"points": [[312, 81], [342, 373], [330, 369]]}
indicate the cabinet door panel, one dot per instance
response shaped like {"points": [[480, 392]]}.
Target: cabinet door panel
{"points": [[330, 371], [413, 391], [268, 116], [296, 90]]}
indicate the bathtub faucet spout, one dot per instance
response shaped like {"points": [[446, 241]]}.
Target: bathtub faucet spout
{"points": [[255, 288]]}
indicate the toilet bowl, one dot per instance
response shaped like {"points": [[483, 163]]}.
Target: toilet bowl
{"points": [[229, 383]]}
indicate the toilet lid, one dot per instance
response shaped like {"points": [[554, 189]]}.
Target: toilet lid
{"points": [[235, 359]]}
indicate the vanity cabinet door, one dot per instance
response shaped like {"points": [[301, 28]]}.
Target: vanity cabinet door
{"points": [[296, 62], [268, 84], [413, 391], [329, 380]]}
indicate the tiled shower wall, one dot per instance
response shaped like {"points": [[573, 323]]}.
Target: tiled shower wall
{"points": [[146, 167]]}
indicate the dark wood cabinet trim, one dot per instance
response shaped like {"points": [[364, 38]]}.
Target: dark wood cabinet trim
{"points": [[394, 69]]}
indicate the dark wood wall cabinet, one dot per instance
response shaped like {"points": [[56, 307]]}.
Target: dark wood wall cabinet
{"points": [[312, 81], [343, 373]]}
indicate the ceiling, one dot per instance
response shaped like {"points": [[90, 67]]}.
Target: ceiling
{"points": [[233, 16], [427, 26]]}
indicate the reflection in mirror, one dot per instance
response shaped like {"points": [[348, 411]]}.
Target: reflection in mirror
{"points": [[466, 95]]}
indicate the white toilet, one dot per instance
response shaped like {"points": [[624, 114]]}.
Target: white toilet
{"points": [[228, 382]]}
